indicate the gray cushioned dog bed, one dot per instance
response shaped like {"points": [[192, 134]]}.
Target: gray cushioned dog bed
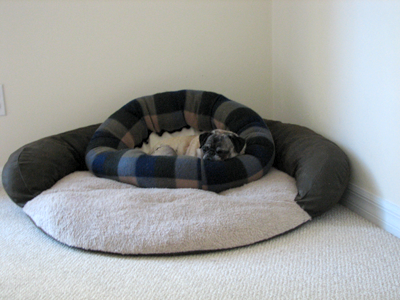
{"points": [[319, 168]]}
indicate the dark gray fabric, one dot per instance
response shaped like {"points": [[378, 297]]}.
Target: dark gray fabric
{"points": [[37, 166], [320, 167]]}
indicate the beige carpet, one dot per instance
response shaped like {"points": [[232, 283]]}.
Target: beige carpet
{"points": [[337, 256]]}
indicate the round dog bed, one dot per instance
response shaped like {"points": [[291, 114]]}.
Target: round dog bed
{"points": [[317, 173], [110, 152]]}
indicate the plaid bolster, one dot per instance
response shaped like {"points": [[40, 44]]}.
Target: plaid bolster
{"points": [[111, 152]]}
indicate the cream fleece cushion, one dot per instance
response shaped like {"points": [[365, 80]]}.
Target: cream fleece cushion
{"points": [[92, 213]]}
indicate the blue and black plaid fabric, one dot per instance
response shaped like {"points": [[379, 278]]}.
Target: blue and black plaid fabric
{"points": [[111, 152]]}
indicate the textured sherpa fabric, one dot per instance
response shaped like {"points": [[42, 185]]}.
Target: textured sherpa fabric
{"points": [[111, 153], [93, 213]]}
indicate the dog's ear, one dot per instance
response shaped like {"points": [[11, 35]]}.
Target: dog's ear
{"points": [[238, 143], [203, 138]]}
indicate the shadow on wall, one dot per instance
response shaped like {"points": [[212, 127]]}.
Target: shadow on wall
{"points": [[297, 103]]}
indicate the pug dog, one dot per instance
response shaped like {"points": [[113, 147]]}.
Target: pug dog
{"points": [[221, 145], [216, 145]]}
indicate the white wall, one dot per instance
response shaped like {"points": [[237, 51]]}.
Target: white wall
{"points": [[66, 64], [336, 69]]}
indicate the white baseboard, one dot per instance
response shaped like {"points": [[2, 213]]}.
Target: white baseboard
{"points": [[378, 211]]}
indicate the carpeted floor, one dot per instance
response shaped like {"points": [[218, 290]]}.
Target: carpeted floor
{"points": [[337, 256]]}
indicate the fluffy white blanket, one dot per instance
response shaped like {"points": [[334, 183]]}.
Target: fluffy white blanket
{"points": [[87, 212]]}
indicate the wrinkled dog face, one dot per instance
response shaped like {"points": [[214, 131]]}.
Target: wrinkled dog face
{"points": [[221, 144]]}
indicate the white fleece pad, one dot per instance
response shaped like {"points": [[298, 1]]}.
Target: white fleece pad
{"points": [[92, 213]]}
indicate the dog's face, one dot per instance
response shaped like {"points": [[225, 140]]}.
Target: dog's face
{"points": [[221, 144]]}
